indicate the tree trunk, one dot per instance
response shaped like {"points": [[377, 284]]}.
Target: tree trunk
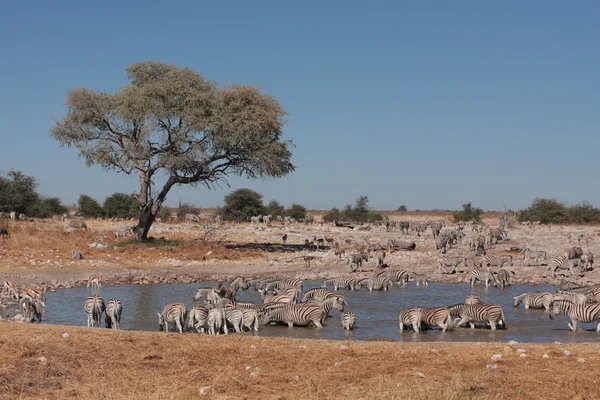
{"points": [[145, 221]]}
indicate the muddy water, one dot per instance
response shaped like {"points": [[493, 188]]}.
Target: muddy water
{"points": [[376, 312]]}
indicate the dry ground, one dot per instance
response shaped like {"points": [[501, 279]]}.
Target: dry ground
{"points": [[96, 363]]}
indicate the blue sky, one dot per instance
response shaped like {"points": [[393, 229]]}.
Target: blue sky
{"points": [[427, 104]]}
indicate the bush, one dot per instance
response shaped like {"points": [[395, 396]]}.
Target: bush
{"points": [[121, 205], [552, 211], [187, 208], [17, 192], [584, 213], [332, 215], [242, 204], [402, 208], [46, 208], [296, 211], [359, 213], [274, 208], [89, 207], [468, 213]]}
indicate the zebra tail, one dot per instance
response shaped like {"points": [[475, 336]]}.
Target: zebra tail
{"points": [[449, 322], [503, 320]]}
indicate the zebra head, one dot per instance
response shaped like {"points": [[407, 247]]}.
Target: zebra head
{"points": [[518, 299], [161, 322]]}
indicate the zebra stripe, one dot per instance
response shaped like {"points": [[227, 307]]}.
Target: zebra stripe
{"points": [[562, 263], [294, 314], [94, 307], [534, 300], [173, 313], [481, 275], [348, 320], [396, 276], [452, 262], [197, 319], [437, 316], [113, 314], [216, 321], [320, 295], [379, 282], [574, 297], [358, 259], [235, 318], [411, 317], [490, 313], [340, 283], [473, 299], [503, 278], [576, 312]]}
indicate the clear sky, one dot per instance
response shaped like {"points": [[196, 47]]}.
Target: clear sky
{"points": [[427, 104]]}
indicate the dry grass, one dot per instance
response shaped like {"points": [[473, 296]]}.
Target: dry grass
{"points": [[144, 365]]}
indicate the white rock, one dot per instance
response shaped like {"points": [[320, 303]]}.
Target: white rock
{"points": [[66, 335], [434, 350], [490, 366], [520, 350], [342, 347], [496, 357], [522, 355], [204, 390], [209, 253], [580, 360], [545, 356], [296, 378], [567, 353], [558, 343], [43, 360], [420, 374], [338, 363], [248, 367], [253, 346], [255, 373], [512, 343]]}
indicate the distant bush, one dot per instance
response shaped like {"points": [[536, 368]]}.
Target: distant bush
{"points": [[274, 208], [187, 208], [468, 213], [242, 204], [121, 205], [359, 213], [296, 211], [552, 211], [46, 207], [332, 215], [89, 207], [402, 208]]}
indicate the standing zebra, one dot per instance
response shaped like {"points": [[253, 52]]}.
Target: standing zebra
{"points": [[562, 263], [173, 313], [340, 283], [411, 317], [235, 318], [294, 314], [534, 300], [356, 259], [94, 307], [452, 262], [437, 316], [396, 276], [473, 299], [216, 321], [504, 278], [496, 261], [378, 282], [490, 313], [113, 314], [576, 312], [320, 295], [197, 319], [348, 320], [482, 275]]}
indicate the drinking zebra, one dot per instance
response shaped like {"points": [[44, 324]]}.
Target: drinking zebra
{"points": [[32, 309], [534, 300], [378, 282], [473, 299], [504, 278], [173, 313], [396, 276], [482, 275], [419, 279], [437, 316], [113, 314], [411, 317], [348, 320], [562, 263], [490, 313], [340, 283], [452, 262], [576, 312], [294, 314], [94, 307], [320, 295]]}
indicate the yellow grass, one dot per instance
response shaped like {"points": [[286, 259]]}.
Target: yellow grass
{"points": [[96, 363]]}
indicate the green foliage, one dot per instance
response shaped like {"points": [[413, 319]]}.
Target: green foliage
{"points": [[121, 205], [402, 208], [89, 207], [296, 211], [552, 211], [46, 208], [242, 204], [468, 213], [17, 192], [274, 208], [173, 121], [359, 213]]}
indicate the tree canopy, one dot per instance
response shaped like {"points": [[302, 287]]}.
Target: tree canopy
{"points": [[172, 123], [18, 192], [468, 213], [120, 205], [242, 204], [89, 206]]}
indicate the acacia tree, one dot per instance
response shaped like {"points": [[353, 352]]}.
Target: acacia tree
{"points": [[171, 123]]}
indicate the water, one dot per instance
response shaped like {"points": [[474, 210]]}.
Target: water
{"points": [[376, 312]]}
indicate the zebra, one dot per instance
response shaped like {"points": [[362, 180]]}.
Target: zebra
{"points": [[75, 224], [573, 253], [482, 275], [235, 318], [420, 279], [197, 318], [490, 313], [473, 299], [94, 307], [576, 312], [173, 313], [113, 314], [529, 255], [189, 218], [294, 314], [496, 261], [576, 298], [287, 295], [209, 294], [284, 283], [588, 261], [348, 320], [394, 244], [397, 276], [320, 295], [504, 278], [216, 321], [441, 243], [411, 317], [255, 220], [563, 263], [358, 259], [327, 305], [437, 316], [250, 319], [534, 300], [452, 262], [380, 258], [340, 283], [32, 309], [378, 282]]}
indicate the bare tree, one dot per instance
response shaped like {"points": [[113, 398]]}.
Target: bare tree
{"points": [[172, 125]]}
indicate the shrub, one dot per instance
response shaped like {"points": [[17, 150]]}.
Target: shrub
{"points": [[242, 204], [402, 208], [546, 211], [296, 211], [274, 208], [46, 207], [121, 205], [584, 213], [332, 215], [468, 213], [89, 207], [359, 213]]}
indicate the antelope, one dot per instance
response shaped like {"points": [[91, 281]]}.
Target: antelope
{"points": [[94, 281]]}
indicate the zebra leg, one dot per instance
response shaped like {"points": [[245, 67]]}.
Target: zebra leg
{"points": [[573, 325], [178, 323], [318, 324], [493, 325], [402, 326], [417, 327], [472, 325]]}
